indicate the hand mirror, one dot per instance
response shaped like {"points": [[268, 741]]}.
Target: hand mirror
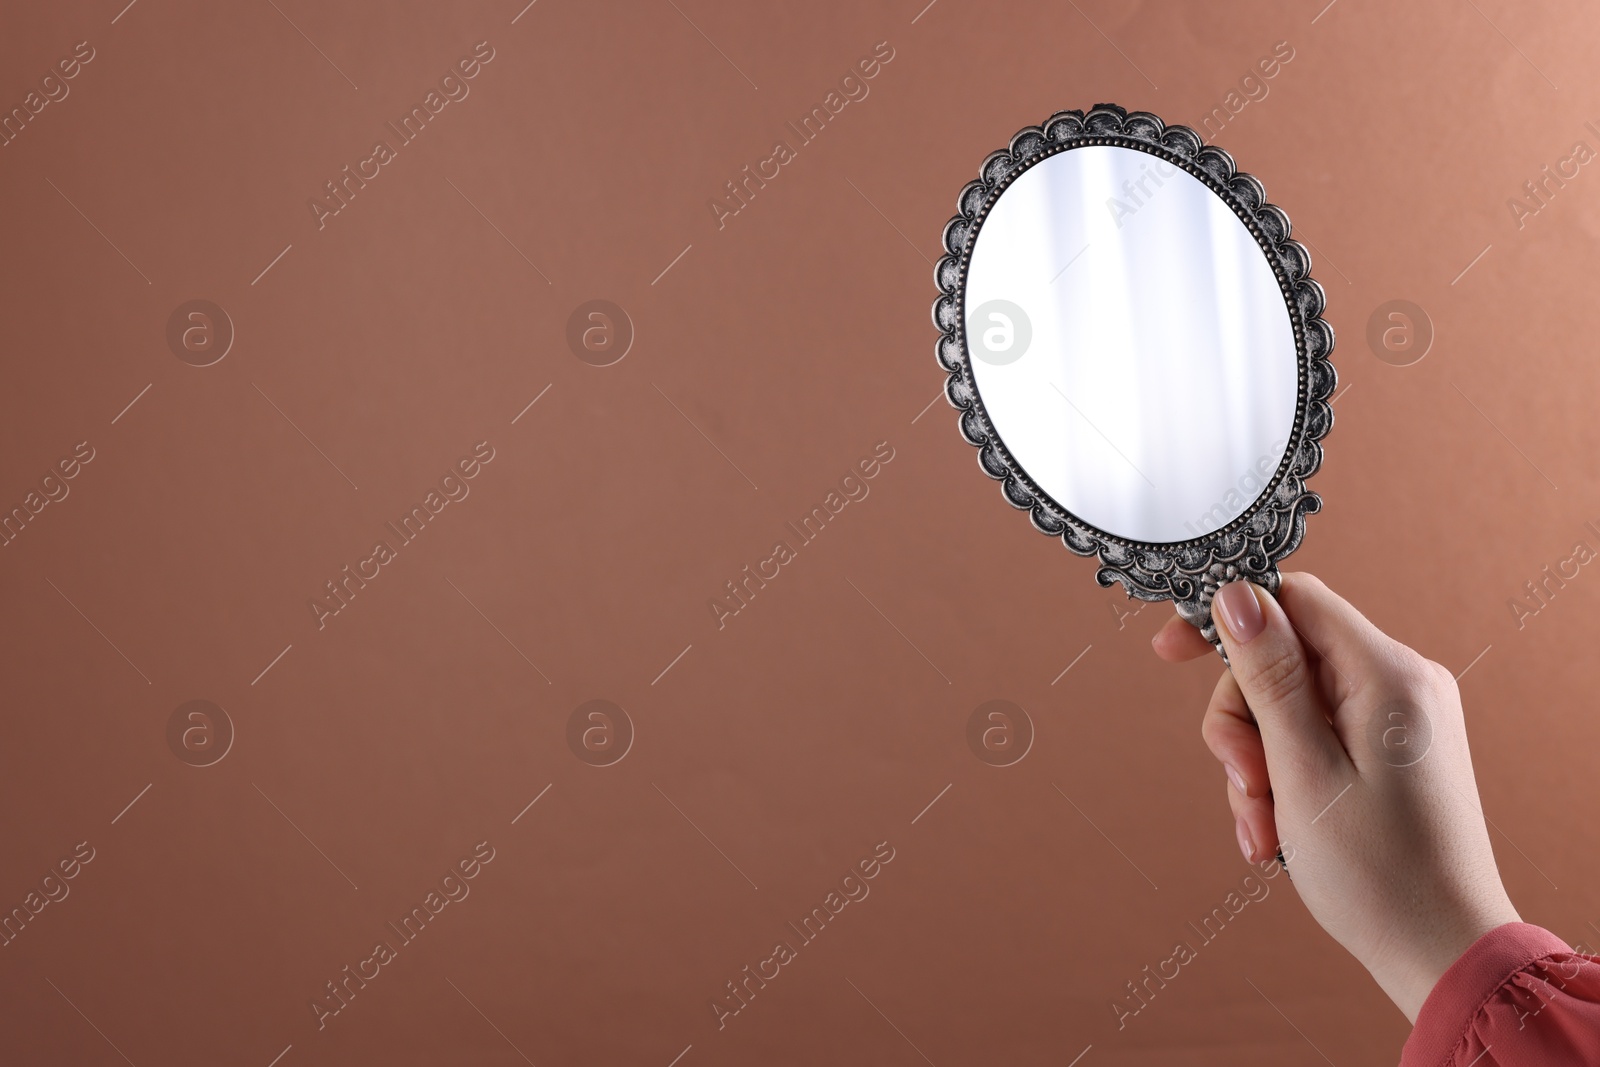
{"points": [[1136, 348]]}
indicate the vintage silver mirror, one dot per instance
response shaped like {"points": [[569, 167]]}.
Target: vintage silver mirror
{"points": [[1136, 348]]}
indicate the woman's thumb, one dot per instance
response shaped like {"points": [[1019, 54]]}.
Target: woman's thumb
{"points": [[1269, 662]]}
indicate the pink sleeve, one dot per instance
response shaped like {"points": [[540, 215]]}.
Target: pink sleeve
{"points": [[1519, 996]]}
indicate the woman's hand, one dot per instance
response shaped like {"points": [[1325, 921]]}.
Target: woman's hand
{"points": [[1349, 750]]}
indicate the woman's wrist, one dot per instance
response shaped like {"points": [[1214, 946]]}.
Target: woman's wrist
{"points": [[1411, 974]]}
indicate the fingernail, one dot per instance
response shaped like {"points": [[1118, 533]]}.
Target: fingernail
{"points": [[1236, 779], [1239, 610], [1245, 844]]}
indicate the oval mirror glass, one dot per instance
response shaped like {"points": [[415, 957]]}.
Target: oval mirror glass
{"points": [[1131, 344]]}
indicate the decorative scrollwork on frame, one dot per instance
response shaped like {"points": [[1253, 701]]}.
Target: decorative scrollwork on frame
{"points": [[1186, 572]]}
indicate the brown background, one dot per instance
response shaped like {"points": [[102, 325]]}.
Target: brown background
{"points": [[378, 750]]}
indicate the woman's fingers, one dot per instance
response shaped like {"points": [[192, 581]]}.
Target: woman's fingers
{"points": [[1255, 824], [1275, 673], [1230, 733], [1178, 641], [1349, 648]]}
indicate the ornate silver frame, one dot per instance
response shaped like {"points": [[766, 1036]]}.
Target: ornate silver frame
{"points": [[1250, 546]]}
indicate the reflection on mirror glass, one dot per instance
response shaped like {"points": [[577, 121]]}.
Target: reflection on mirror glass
{"points": [[1131, 344]]}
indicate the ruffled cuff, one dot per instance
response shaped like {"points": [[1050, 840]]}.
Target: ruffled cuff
{"points": [[1519, 994]]}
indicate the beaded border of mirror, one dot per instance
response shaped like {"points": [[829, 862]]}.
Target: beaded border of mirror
{"points": [[1186, 572]]}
